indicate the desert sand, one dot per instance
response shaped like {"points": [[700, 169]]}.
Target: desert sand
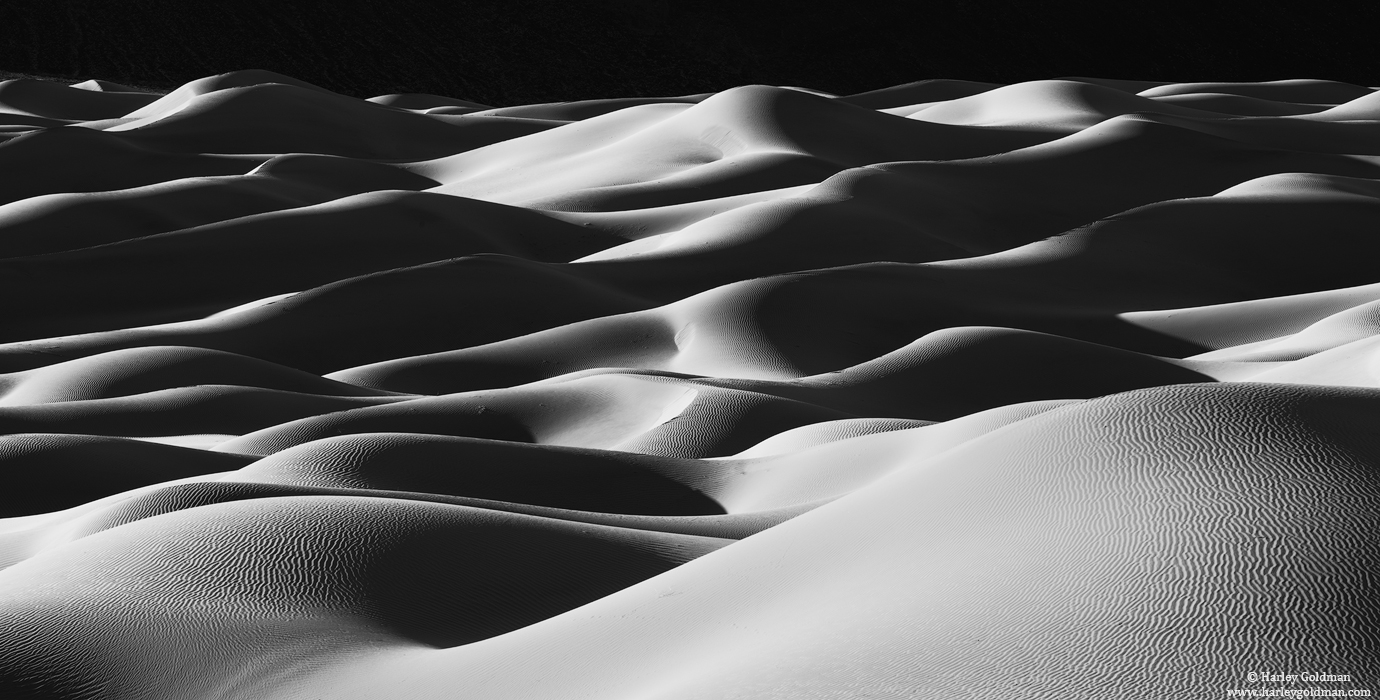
{"points": [[1061, 389]]}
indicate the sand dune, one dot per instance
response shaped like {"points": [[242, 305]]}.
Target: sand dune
{"points": [[948, 389], [1239, 105], [319, 330], [1363, 108], [917, 212], [419, 102], [58, 222], [1186, 252], [371, 560], [629, 412], [151, 368], [109, 163], [741, 140], [1074, 536], [916, 93], [207, 409], [584, 109], [945, 374], [72, 103], [98, 85], [1237, 327], [250, 120], [166, 104], [573, 479], [48, 472], [157, 279], [1055, 105], [1299, 90]]}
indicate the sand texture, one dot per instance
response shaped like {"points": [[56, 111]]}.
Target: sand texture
{"points": [[1061, 389]]}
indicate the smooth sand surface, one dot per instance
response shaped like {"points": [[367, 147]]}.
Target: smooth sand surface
{"points": [[1059, 389]]}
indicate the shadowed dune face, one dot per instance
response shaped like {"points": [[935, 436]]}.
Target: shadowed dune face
{"points": [[1064, 388]]}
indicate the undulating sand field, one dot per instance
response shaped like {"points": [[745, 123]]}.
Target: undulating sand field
{"points": [[1061, 389]]}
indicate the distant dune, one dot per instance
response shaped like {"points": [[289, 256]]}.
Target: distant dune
{"points": [[1061, 389]]}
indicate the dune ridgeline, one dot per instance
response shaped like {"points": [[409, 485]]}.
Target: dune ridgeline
{"points": [[1060, 389]]}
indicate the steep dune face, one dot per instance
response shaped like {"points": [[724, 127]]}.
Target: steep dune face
{"points": [[1056, 389]]}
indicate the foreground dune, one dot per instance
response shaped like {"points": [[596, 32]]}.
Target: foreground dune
{"points": [[951, 389]]}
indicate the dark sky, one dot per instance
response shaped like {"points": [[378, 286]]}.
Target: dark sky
{"points": [[514, 52]]}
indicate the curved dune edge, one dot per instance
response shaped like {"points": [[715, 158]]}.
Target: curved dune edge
{"points": [[1061, 388]]}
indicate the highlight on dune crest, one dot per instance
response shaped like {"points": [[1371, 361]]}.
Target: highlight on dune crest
{"points": [[1060, 389]]}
